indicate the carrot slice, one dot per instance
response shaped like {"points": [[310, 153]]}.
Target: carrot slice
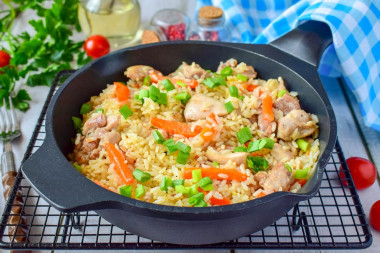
{"points": [[217, 173], [209, 137], [261, 194], [121, 167], [189, 82], [251, 87], [122, 91], [302, 181], [175, 127], [219, 202], [156, 76], [267, 109]]}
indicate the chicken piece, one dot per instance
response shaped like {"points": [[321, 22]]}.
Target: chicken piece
{"points": [[281, 154], [112, 122], [200, 106], [277, 179], [193, 71], [97, 120], [112, 137], [230, 62], [296, 124], [287, 104], [84, 149], [138, 72], [267, 127], [238, 157], [254, 118], [242, 68]]}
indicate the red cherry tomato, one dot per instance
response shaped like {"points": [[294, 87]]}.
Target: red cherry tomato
{"points": [[374, 215], [96, 46], [4, 58], [363, 172]]}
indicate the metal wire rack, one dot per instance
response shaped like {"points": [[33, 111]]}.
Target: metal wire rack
{"points": [[333, 219]]}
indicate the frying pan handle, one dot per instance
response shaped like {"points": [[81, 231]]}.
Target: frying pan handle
{"points": [[307, 42]]}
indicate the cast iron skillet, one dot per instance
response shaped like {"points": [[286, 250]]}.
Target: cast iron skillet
{"points": [[294, 57]]}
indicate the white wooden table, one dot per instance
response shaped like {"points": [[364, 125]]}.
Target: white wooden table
{"points": [[355, 139]]}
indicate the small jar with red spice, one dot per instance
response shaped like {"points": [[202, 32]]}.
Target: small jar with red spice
{"points": [[210, 25], [173, 23]]}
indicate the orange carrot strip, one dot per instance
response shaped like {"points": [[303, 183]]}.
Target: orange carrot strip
{"points": [[121, 168], [189, 82], [175, 127], [267, 109], [302, 181], [156, 76], [207, 129], [251, 87], [261, 194], [217, 173], [122, 91], [102, 185], [219, 202]]}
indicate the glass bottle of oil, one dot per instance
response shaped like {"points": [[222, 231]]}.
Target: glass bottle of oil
{"points": [[118, 20]]}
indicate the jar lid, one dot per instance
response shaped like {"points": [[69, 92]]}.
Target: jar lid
{"points": [[149, 36], [210, 12]]}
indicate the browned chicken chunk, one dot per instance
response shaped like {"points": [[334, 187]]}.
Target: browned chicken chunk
{"points": [[138, 72], [296, 124], [247, 71], [277, 179], [281, 154], [193, 71], [267, 127], [97, 120], [200, 106], [215, 156], [287, 104]]}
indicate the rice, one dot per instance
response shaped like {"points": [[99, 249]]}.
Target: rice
{"points": [[141, 151]]}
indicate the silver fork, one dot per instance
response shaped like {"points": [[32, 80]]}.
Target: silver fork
{"points": [[10, 130]]}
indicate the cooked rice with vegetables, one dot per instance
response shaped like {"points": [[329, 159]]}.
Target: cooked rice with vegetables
{"points": [[196, 138]]}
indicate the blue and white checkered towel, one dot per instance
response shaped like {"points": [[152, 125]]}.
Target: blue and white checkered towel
{"points": [[355, 26]]}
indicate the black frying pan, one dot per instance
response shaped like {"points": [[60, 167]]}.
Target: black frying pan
{"points": [[294, 57]]}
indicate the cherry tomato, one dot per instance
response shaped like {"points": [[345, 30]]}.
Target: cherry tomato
{"points": [[96, 46], [363, 172], [374, 215], [4, 58]]}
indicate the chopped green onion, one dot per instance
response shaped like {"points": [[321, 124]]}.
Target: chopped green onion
{"points": [[141, 176], [126, 191], [178, 182], [163, 99], [77, 123], [287, 166], [154, 93], [197, 175], [170, 145], [193, 190], [241, 97], [257, 163], [143, 94], [215, 164], [281, 93], [183, 97], [201, 203], [213, 82], [168, 85], [302, 144], [183, 147], [196, 198], [260, 144], [140, 191], [244, 135], [158, 137], [78, 168], [125, 111], [180, 83], [136, 97], [300, 174], [234, 92], [86, 108], [165, 183], [99, 110], [229, 107], [226, 71], [182, 157], [240, 149], [182, 189], [241, 77], [147, 81], [206, 184]]}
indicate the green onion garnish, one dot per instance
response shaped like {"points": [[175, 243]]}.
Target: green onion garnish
{"points": [[215, 164], [226, 71], [141, 176], [300, 174], [125, 111], [182, 157], [287, 166], [163, 99], [99, 110], [165, 183], [213, 82], [168, 85], [86, 108], [193, 190], [136, 97], [240, 149], [170, 145], [206, 184], [281, 93], [154, 93], [158, 137], [183, 97], [78, 168], [77, 122], [244, 135], [143, 94], [178, 182], [257, 163], [126, 191], [229, 107], [147, 81], [196, 198], [140, 191], [182, 189], [234, 92], [201, 203], [302, 144], [241, 77], [197, 175], [180, 83], [183, 147], [260, 144]]}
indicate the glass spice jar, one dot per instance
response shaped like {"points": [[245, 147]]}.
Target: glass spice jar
{"points": [[173, 23], [210, 25], [153, 34]]}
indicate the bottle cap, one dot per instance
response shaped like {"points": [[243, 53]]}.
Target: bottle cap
{"points": [[149, 36], [210, 12]]}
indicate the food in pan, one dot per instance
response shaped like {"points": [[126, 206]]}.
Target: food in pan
{"points": [[195, 137]]}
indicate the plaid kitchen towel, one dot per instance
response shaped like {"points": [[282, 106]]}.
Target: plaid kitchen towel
{"points": [[355, 26]]}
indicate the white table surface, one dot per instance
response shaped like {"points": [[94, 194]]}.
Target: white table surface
{"points": [[348, 133]]}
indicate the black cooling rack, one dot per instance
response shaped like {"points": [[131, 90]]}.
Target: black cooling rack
{"points": [[333, 219]]}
